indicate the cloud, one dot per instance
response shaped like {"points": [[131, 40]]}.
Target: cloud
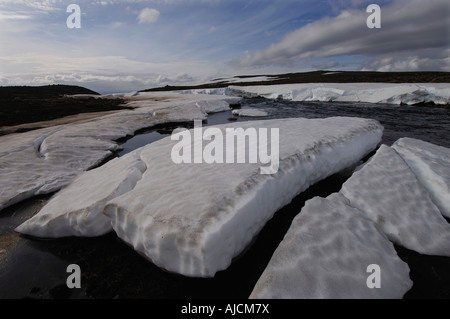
{"points": [[148, 15], [9, 16], [414, 27], [325, 65], [43, 5], [437, 60], [104, 74]]}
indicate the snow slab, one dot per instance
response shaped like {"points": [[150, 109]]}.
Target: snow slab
{"points": [[192, 219], [326, 254], [391, 93], [431, 165], [77, 209], [44, 160], [250, 112], [387, 192]]}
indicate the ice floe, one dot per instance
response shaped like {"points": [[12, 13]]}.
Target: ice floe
{"points": [[326, 254], [193, 219]]}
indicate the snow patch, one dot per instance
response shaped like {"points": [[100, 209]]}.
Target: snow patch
{"points": [[326, 253], [77, 209], [431, 165], [438, 93], [387, 192], [250, 112]]}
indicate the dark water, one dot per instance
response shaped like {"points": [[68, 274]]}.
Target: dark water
{"points": [[430, 124], [32, 268]]}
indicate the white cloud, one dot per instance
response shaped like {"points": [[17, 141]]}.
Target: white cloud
{"points": [[148, 15], [12, 16], [437, 60], [43, 5], [414, 27], [103, 74]]}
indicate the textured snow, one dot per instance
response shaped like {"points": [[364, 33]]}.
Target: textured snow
{"points": [[330, 243], [250, 112], [326, 253], [391, 93], [431, 165], [44, 160], [193, 219], [387, 191], [77, 209]]}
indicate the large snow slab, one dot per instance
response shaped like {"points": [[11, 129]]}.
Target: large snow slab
{"points": [[391, 93], [431, 164], [192, 219], [77, 209], [326, 254], [386, 191], [44, 160]]}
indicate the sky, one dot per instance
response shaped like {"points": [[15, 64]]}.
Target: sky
{"points": [[127, 45]]}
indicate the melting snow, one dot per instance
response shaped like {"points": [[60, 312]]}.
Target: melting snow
{"points": [[391, 93], [331, 242], [326, 253], [193, 219]]}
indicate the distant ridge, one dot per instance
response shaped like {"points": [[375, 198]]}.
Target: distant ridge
{"points": [[321, 77], [31, 104], [45, 91]]}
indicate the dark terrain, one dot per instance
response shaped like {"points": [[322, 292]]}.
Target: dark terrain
{"points": [[324, 77], [28, 104]]}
